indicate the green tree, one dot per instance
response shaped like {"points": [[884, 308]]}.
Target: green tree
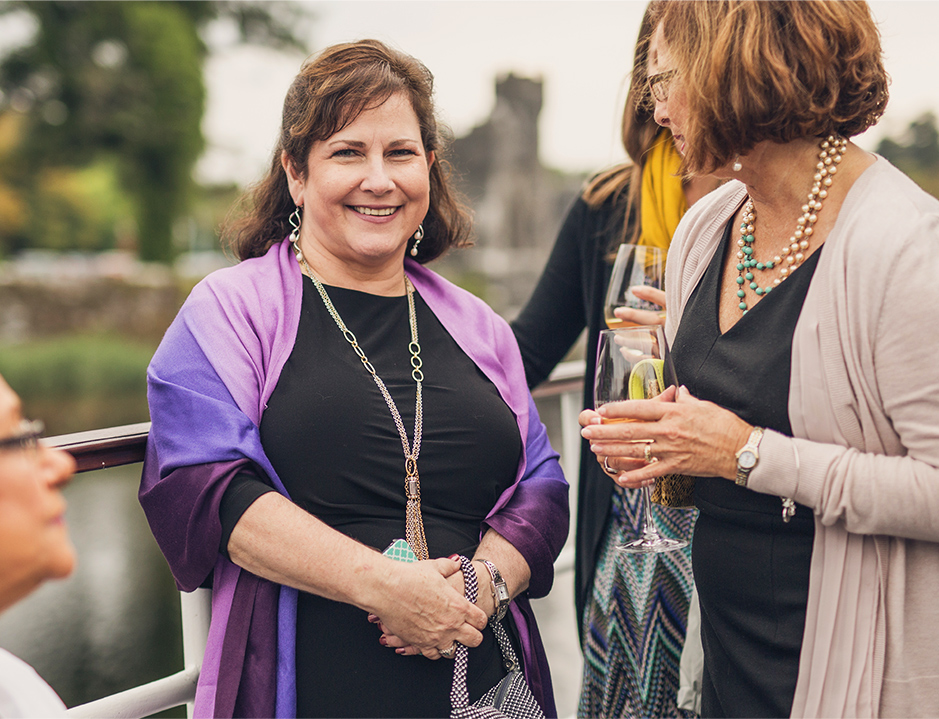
{"points": [[916, 152], [124, 80]]}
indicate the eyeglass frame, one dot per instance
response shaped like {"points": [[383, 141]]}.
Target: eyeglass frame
{"points": [[27, 435], [657, 81]]}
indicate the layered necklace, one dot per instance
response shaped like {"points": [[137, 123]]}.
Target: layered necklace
{"points": [[414, 524], [831, 152]]}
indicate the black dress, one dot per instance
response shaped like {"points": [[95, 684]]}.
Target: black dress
{"points": [[331, 438], [751, 568]]}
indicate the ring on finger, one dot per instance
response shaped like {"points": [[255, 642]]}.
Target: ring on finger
{"points": [[449, 652], [647, 454], [606, 466]]}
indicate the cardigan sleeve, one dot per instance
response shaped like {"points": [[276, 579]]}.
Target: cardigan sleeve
{"points": [[883, 479]]}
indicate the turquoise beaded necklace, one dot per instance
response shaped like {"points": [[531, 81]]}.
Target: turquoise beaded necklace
{"points": [[829, 157]]}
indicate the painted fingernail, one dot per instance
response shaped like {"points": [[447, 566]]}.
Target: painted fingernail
{"points": [[454, 557], [399, 650], [383, 641]]}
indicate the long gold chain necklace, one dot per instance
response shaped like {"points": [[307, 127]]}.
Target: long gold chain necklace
{"points": [[831, 152], [414, 523]]}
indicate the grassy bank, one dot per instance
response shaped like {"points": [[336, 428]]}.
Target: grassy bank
{"points": [[79, 382]]}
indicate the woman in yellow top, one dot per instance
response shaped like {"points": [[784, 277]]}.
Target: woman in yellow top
{"points": [[631, 628]]}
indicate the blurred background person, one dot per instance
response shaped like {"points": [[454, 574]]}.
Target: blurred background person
{"points": [[34, 542], [280, 465], [808, 404], [631, 628]]}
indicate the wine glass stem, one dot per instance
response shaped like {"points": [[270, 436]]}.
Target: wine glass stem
{"points": [[648, 526]]}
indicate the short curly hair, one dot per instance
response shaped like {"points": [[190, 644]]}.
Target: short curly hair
{"points": [[772, 70]]}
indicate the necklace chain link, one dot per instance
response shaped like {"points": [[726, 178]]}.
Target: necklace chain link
{"points": [[414, 524]]}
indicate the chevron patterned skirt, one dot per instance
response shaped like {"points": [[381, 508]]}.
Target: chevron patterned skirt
{"points": [[634, 620]]}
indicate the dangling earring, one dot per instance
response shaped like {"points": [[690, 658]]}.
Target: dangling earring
{"points": [[418, 236], [737, 166], [294, 220]]}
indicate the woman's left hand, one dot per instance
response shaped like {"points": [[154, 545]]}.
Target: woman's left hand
{"points": [[684, 435]]}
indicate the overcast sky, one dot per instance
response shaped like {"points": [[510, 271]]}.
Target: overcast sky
{"points": [[582, 49]]}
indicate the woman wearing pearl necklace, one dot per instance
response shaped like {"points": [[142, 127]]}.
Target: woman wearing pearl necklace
{"points": [[807, 408]]}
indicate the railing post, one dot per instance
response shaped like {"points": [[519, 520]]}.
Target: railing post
{"points": [[196, 611]]}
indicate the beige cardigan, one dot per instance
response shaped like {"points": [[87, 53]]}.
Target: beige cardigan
{"points": [[864, 410]]}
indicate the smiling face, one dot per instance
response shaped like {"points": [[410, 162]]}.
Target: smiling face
{"points": [[365, 191], [671, 112], [34, 542]]}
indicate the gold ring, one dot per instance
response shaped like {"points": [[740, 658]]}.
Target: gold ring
{"points": [[647, 453], [448, 653], [607, 468]]}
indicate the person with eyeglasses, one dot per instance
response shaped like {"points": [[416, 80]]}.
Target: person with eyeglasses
{"points": [[34, 542], [631, 628], [802, 299]]}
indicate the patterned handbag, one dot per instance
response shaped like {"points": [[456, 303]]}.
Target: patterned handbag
{"points": [[674, 490], [511, 698]]}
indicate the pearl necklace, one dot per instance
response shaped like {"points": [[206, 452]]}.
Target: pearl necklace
{"points": [[791, 256]]}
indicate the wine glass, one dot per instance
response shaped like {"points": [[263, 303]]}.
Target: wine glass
{"points": [[633, 363], [634, 265]]}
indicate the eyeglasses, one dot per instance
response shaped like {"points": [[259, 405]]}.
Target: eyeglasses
{"points": [[27, 435], [659, 84]]}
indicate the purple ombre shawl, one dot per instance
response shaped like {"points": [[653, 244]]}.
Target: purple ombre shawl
{"points": [[208, 385]]}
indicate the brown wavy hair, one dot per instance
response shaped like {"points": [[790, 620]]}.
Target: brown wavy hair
{"points": [[772, 70], [638, 132], [330, 91]]}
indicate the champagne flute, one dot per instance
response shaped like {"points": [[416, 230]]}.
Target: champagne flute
{"points": [[633, 363], [634, 265]]}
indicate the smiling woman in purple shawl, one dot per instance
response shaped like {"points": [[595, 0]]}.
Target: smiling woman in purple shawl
{"points": [[329, 395]]}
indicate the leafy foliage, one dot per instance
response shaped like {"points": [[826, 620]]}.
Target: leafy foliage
{"points": [[120, 85], [916, 152]]}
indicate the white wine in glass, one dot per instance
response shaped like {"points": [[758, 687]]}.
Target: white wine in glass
{"points": [[634, 265], [631, 364]]}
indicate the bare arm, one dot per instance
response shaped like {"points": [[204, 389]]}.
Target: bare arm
{"points": [[277, 540]]}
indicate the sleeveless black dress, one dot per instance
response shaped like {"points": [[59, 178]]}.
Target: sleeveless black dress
{"points": [[751, 568]]}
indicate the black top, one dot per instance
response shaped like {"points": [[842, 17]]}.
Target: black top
{"points": [[751, 568], [333, 442], [569, 297]]}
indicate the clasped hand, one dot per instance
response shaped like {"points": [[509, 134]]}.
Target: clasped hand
{"points": [[688, 436], [429, 611]]}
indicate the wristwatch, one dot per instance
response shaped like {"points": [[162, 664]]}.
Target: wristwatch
{"points": [[748, 456], [500, 592]]}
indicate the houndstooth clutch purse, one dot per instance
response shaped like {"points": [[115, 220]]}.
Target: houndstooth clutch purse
{"points": [[511, 697]]}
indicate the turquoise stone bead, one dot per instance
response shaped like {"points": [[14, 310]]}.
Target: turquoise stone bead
{"points": [[748, 250], [740, 280], [759, 290], [742, 305], [749, 275], [760, 266], [740, 267], [741, 293], [753, 285], [748, 239]]}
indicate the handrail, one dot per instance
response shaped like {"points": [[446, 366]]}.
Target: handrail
{"points": [[103, 448], [126, 444]]}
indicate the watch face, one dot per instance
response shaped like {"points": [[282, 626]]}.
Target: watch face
{"points": [[746, 460]]}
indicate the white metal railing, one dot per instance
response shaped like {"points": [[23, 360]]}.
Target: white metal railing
{"points": [[105, 448]]}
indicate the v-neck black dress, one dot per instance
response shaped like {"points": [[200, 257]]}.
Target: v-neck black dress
{"points": [[751, 568]]}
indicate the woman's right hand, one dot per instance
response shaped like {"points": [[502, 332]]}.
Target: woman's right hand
{"points": [[644, 317], [424, 613]]}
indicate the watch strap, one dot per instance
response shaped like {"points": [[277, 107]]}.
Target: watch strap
{"points": [[500, 592], [752, 445]]}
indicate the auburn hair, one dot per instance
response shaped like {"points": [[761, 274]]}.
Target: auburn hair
{"points": [[329, 93], [772, 70]]}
